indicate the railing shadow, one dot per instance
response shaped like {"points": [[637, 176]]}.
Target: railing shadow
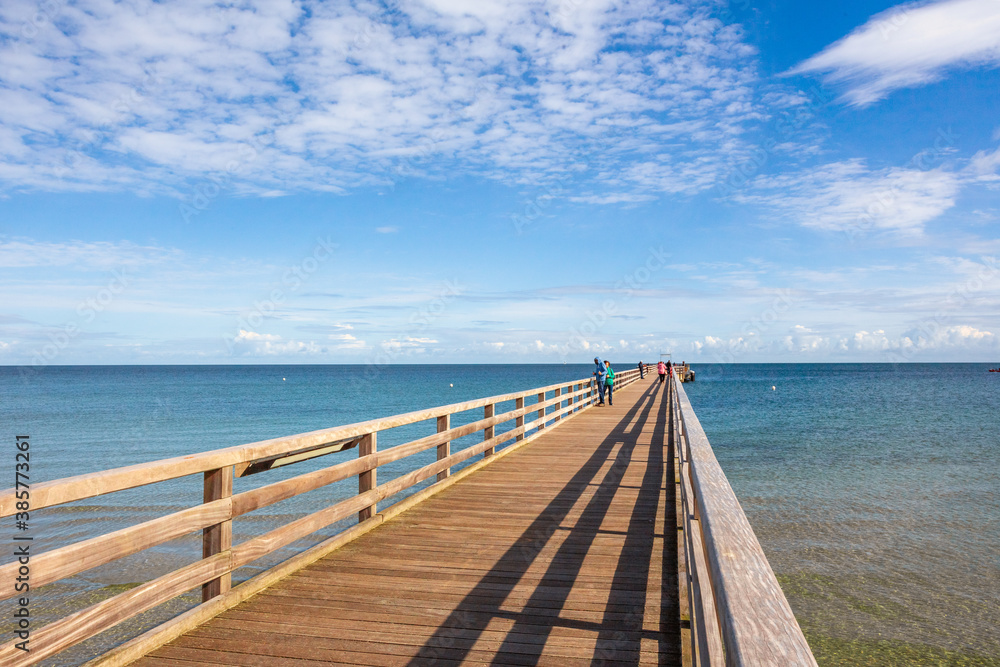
{"points": [[621, 630]]}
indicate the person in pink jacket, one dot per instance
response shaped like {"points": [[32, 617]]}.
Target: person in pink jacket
{"points": [[661, 368]]}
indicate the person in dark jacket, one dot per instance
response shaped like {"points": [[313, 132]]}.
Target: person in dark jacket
{"points": [[600, 376], [642, 371]]}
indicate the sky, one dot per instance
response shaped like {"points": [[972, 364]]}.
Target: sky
{"points": [[435, 181]]}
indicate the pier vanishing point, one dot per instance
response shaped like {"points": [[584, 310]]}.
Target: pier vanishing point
{"points": [[566, 534]]}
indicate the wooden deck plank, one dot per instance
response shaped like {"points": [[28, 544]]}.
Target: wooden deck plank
{"points": [[563, 553]]}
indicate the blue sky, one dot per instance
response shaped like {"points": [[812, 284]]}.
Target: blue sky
{"points": [[523, 181]]}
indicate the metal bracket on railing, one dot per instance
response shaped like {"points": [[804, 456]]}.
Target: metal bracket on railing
{"points": [[271, 462]]}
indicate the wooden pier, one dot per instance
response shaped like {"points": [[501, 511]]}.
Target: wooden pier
{"points": [[582, 535]]}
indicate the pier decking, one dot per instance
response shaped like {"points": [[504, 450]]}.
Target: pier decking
{"points": [[574, 534], [564, 552]]}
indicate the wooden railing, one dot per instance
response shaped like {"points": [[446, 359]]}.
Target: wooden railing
{"points": [[220, 506], [738, 614]]}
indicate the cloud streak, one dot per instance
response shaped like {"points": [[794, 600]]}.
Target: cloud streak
{"points": [[910, 45]]}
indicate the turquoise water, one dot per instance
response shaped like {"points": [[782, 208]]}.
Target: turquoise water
{"points": [[874, 489], [875, 492]]}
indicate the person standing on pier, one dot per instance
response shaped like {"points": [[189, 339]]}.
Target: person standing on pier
{"points": [[610, 382], [642, 371], [661, 369], [600, 375]]}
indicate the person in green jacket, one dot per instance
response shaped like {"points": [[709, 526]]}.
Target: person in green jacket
{"points": [[610, 382]]}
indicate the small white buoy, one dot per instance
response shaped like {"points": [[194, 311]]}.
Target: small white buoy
{"points": [[282, 379], [451, 385], [773, 388]]}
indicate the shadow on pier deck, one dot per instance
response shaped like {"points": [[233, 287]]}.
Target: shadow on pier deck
{"points": [[564, 552], [556, 539]]}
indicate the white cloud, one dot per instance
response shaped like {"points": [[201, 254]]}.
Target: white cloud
{"points": [[252, 343], [245, 335], [960, 337], [910, 45], [985, 166], [17, 253], [310, 96], [408, 344], [346, 342], [387, 230], [618, 198], [850, 197], [926, 342]]}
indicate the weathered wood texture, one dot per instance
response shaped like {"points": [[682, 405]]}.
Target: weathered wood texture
{"points": [[444, 449], [733, 580], [57, 636], [218, 538], [81, 556], [563, 552], [221, 506], [57, 492], [368, 479]]}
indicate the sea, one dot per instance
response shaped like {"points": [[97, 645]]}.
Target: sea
{"points": [[874, 489]]}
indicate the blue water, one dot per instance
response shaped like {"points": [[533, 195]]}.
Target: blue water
{"points": [[87, 419], [872, 488], [875, 492]]}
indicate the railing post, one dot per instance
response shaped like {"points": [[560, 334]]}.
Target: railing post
{"points": [[575, 399], [216, 539], [488, 411], [519, 421], [541, 411], [558, 405], [368, 479], [444, 449]]}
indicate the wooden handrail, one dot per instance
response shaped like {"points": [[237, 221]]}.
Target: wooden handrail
{"points": [[739, 615], [58, 492], [220, 506]]}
